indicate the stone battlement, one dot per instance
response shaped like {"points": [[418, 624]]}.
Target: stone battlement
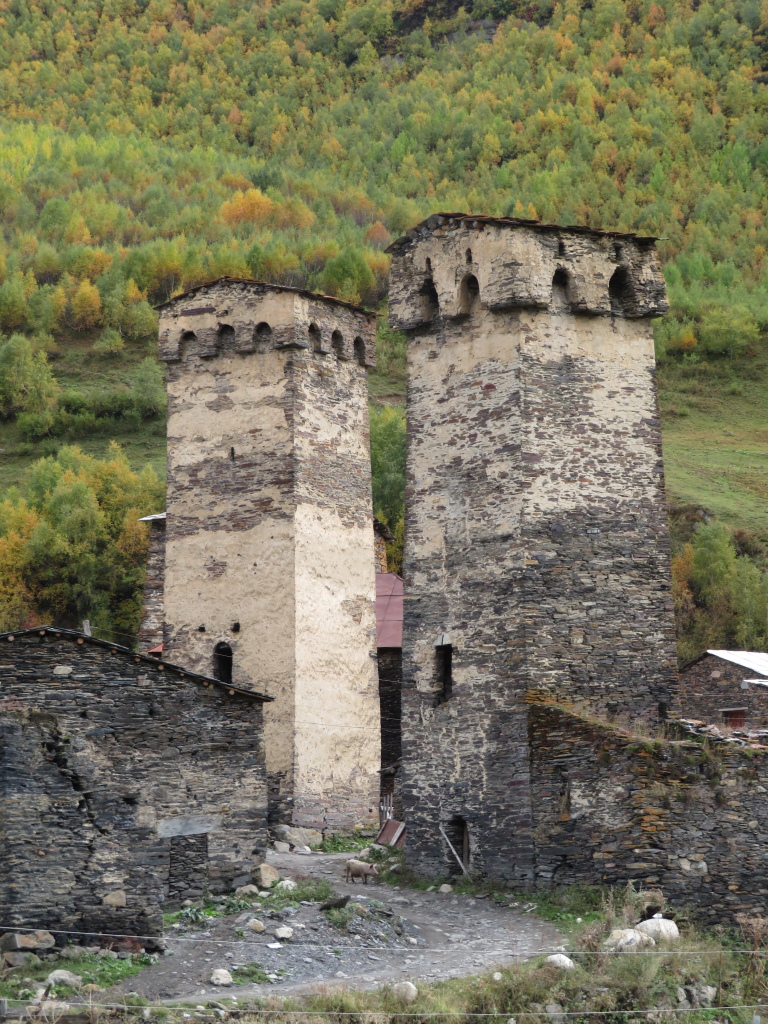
{"points": [[450, 261], [236, 316]]}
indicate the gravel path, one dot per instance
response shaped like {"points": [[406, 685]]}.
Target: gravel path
{"points": [[417, 935]]}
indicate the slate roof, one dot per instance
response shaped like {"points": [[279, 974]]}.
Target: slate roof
{"points": [[82, 638]]}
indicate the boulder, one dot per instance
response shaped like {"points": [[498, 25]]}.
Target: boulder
{"points": [[281, 847], [247, 890], [12, 941], [283, 932], [287, 885], [221, 977], [297, 836], [561, 961], [660, 929], [555, 1012], [405, 991], [445, 888], [71, 952], [623, 939], [19, 959], [61, 977], [255, 925], [265, 875]]}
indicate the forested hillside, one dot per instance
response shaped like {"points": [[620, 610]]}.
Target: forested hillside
{"points": [[146, 147]]}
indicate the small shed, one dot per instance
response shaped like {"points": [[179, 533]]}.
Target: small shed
{"points": [[726, 688], [125, 782]]}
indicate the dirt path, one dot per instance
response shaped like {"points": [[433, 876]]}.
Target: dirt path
{"points": [[418, 935]]}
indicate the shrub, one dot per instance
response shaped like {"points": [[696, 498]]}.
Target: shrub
{"points": [[109, 342]]}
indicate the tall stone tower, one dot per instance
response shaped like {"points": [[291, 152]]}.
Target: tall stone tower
{"points": [[269, 566], [536, 558]]}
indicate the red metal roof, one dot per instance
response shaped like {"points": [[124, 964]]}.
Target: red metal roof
{"points": [[389, 610]]}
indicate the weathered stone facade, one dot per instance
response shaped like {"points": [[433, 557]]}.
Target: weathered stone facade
{"points": [[536, 556], [269, 551], [609, 807], [151, 630], [719, 691], [110, 763]]}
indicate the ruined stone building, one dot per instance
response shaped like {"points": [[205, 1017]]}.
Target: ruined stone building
{"points": [[124, 782], [726, 688], [536, 555], [269, 547]]}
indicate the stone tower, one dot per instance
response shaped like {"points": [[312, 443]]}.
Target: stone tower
{"points": [[536, 558], [269, 566]]}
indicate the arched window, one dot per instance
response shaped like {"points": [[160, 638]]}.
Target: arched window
{"points": [[188, 338], [222, 662], [314, 338], [468, 256], [262, 336], [561, 289], [337, 341], [469, 293], [226, 333], [620, 291], [360, 351], [430, 304]]}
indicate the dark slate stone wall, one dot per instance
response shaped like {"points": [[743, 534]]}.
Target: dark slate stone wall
{"points": [[610, 807], [104, 759], [152, 613], [710, 685]]}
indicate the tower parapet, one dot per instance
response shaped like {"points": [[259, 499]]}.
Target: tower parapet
{"points": [[269, 575]]}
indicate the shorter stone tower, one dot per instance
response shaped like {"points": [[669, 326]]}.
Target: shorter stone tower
{"points": [[536, 556], [269, 566]]}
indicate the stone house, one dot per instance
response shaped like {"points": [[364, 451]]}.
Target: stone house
{"points": [[726, 688], [536, 545], [269, 576], [125, 782]]}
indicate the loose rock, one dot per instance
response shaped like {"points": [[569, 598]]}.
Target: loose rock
{"points": [[12, 941], [561, 961], [255, 925], [221, 977], [660, 929], [445, 888], [247, 890], [405, 991], [281, 847], [298, 836], [287, 885], [283, 932], [265, 875]]}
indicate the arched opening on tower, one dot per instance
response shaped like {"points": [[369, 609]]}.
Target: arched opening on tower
{"points": [[188, 338], [561, 290], [620, 291], [459, 838], [469, 294], [314, 338], [337, 343], [360, 351], [262, 336], [222, 662], [226, 334], [430, 304]]}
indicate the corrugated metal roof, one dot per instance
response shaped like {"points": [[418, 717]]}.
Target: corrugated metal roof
{"points": [[154, 518], [389, 610], [755, 661]]}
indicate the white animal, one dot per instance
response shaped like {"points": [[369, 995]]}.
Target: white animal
{"points": [[359, 869]]}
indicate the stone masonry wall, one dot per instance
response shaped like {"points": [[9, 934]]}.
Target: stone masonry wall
{"points": [[536, 532], [105, 758], [270, 540], [151, 632], [709, 686], [691, 820]]}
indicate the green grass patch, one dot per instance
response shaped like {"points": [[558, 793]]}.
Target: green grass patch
{"points": [[338, 843], [103, 971], [250, 974]]}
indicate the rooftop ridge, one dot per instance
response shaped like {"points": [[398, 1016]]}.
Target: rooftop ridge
{"points": [[275, 287]]}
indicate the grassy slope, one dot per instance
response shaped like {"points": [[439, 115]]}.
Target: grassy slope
{"points": [[79, 368], [715, 432]]}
